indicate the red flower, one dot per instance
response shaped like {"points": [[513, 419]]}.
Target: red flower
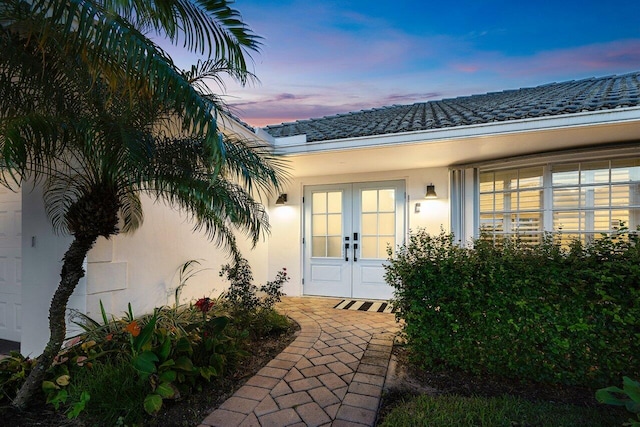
{"points": [[204, 304]]}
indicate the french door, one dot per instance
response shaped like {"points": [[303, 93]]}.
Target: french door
{"points": [[347, 229]]}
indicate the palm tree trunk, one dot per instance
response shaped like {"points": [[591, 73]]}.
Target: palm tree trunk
{"points": [[71, 274]]}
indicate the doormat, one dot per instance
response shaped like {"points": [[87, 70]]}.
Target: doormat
{"points": [[375, 306]]}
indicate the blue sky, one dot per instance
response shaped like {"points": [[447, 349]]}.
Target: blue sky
{"points": [[328, 57]]}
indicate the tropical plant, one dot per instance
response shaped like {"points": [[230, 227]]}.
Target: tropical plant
{"points": [[14, 368], [627, 396], [172, 351], [185, 272], [97, 113]]}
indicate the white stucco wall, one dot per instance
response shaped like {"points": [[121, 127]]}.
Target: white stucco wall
{"points": [[285, 243], [42, 253], [141, 268]]}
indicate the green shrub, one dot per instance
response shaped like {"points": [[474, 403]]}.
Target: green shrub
{"points": [[252, 307], [243, 295], [540, 313]]}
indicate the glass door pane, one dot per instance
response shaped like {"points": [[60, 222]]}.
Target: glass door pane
{"points": [[326, 224], [378, 222]]}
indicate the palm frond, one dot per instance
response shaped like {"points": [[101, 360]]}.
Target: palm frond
{"points": [[131, 212], [205, 71], [111, 47], [254, 165], [60, 192], [200, 24]]}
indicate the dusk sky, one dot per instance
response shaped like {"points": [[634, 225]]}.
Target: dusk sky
{"points": [[328, 57]]}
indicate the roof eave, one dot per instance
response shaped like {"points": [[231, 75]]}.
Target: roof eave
{"points": [[299, 145]]}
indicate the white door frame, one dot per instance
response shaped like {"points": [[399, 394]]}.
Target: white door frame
{"points": [[344, 269]]}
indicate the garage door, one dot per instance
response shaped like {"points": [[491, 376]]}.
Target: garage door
{"points": [[10, 264]]}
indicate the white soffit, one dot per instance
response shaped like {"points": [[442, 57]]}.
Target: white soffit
{"points": [[445, 147]]}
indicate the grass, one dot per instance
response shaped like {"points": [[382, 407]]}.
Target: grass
{"points": [[507, 411]]}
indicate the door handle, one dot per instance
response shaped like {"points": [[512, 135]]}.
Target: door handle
{"points": [[355, 257], [346, 252]]}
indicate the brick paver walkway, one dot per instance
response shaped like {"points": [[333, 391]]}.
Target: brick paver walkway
{"points": [[331, 375]]}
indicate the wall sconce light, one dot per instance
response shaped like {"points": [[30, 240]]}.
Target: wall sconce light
{"points": [[431, 192], [417, 208], [282, 199]]}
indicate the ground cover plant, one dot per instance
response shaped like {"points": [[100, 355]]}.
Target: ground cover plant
{"points": [[126, 370], [536, 313]]}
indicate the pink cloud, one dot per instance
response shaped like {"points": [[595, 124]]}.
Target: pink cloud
{"points": [[274, 110], [466, 68]]}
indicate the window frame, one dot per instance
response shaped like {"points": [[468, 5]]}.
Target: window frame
{"points": [[465, 191]]}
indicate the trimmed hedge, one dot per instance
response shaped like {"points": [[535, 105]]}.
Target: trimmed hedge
{"points": [[539, 313]]}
